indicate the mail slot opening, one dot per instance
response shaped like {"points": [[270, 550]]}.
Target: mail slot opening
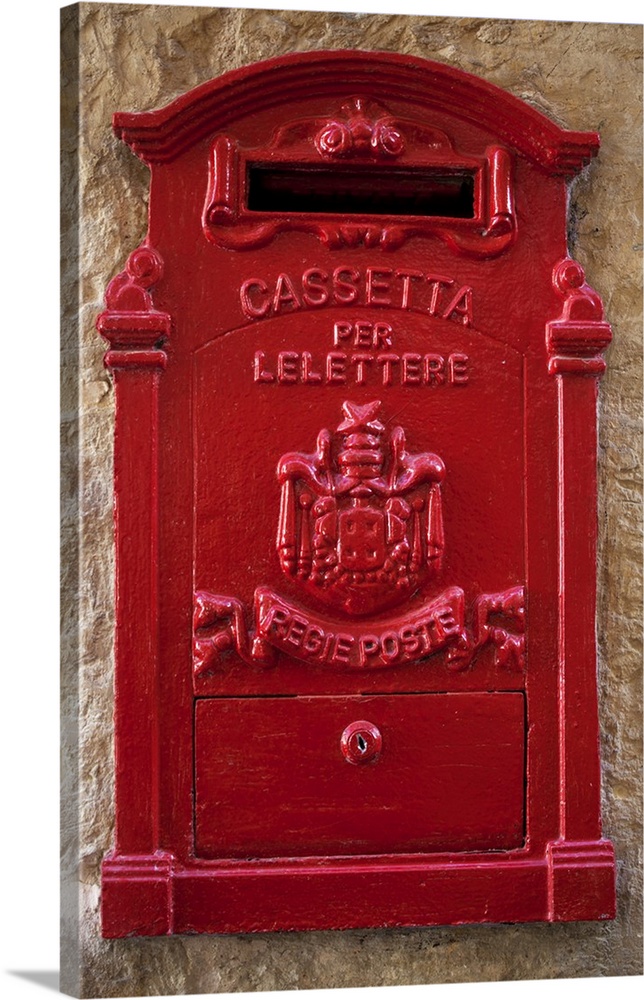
{"points": [[347, 191]]}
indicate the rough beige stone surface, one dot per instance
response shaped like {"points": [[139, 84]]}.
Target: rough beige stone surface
{"points": [[585, 76]]}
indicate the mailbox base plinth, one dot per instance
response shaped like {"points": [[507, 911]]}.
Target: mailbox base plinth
{"points": [[136, 898], [151, 896]]}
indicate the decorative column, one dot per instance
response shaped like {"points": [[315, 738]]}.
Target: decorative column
{"points": [[581, 864], [136, 886]]}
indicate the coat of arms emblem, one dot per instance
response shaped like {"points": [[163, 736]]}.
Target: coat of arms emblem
{"points": [[360, 522]]}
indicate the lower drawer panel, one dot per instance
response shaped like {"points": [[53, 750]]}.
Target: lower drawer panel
{"points": [[272, 781]]}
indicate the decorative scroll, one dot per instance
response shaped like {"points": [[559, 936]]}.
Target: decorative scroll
{"points": [[498, 619], [411, 637], [502, 222], [364, 129]]}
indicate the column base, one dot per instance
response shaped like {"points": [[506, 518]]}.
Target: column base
{"points": [[581, 880], [136, 897]]}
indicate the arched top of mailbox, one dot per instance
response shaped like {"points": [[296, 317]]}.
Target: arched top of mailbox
{"points": [[159, 136]]}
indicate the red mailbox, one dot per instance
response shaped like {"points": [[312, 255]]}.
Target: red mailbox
{"points": [[356, 378]]}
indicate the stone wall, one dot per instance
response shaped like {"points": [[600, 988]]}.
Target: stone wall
{"points": [[131, 57]]}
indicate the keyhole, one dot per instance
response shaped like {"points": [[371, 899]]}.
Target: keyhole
{"points": [[361, 742]]}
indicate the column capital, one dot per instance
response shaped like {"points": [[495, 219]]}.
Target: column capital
{"points": [[576, 339], [134, 329]]}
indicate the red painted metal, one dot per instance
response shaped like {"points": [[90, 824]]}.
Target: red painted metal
{"points": [[356, 378]]}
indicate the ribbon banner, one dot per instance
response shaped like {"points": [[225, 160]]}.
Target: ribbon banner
{"points": [[399, 640], [220, 626]]}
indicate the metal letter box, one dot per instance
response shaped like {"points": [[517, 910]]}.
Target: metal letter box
{"points": [[356, 377]]}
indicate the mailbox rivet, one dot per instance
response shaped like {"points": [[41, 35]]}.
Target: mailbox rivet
{"points": [[361, 742]]}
